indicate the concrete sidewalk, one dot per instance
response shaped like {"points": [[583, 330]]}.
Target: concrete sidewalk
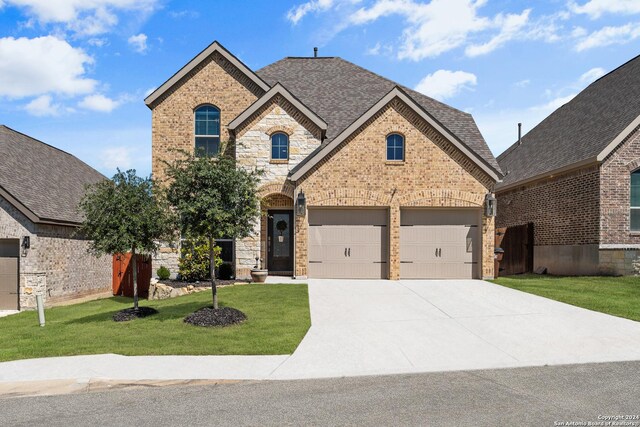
{"points": [[366, 327]]}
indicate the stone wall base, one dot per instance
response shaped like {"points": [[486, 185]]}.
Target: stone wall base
{"points": [[587, 260], [32, 284], [167, 257]]}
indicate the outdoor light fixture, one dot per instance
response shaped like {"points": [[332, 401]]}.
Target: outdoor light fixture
{"points": [[26, 242], [490, 205], [301, 204]]}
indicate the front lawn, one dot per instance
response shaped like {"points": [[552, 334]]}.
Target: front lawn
{"points": [[618, 296], [277, 320]]}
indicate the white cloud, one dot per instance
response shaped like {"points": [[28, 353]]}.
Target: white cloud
{"points": [[554, 104], [87, 17], [138, 42], [610, 35], [296, 13], [117, 157], [99, 102], [445, 84], [522, 83], [592, 75], [510, 26], [434, 27], [596, 8], [43, 106], [32, 67]]}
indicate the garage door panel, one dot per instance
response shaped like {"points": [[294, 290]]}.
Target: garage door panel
{"points": [[8, 283], [439, 243], [347, 243]]}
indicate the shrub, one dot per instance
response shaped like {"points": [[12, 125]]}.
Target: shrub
{"points": [[225, 271], [194, 259], [163, 273]]}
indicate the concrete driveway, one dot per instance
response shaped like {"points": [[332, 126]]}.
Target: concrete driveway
{"points": [[362, 327]]}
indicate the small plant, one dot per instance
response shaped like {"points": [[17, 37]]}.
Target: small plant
{"points": [[163, 273], [194, 260], [225, 271]]}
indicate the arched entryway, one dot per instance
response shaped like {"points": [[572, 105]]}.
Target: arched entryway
{"points": [[277, 234]]}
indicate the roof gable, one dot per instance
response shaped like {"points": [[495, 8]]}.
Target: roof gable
{"points": [[276, 90], [324, 150], [583, 131], [43, 182], [340, 92], [213, 47]]}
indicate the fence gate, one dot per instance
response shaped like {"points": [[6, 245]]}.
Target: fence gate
{"points": [[517, 242], [123, 275]]}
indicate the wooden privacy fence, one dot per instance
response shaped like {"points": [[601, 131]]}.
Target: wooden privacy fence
{"points": [[123, 275], [517, 242]]}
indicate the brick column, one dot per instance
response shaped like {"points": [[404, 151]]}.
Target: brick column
{"points": [[394, 242]]}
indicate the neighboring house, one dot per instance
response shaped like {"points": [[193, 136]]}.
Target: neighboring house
{"points": [[40, 253], [576, 178], [363, 178]]}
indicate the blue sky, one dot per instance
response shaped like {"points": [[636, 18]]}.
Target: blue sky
{"points": [[74, 73]]}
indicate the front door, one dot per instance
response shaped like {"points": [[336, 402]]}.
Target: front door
{"points": [[280, 242]]}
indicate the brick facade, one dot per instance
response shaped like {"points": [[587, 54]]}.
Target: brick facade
{"points": [[581, 218], [57, 265], [433, 174]]}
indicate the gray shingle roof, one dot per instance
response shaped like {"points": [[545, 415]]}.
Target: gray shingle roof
{"points": [[47, 181], [340, 92], [580, 129]]}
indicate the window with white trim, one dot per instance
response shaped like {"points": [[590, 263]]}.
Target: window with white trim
{"points": [[207, 132]]}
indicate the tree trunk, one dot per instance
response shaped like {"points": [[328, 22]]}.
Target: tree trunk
{"points": [[135, 278], [212, 271]]}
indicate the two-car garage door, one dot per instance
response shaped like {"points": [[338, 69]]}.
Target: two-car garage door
{"points": [[353, 243]]}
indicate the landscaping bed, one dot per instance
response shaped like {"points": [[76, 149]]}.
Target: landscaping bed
{"points": [[201, 284], [277, 320], [618, 296]]}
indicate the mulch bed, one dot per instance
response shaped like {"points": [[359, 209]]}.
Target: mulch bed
{"points": [[131, 313], [200, 284], [208, 316]]}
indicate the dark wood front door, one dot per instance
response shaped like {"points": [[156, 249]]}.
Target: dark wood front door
{"points": [[280, 242]]}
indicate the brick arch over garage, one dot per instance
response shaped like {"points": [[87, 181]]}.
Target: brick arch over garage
{"points": [[442, 198], [348, 197]]}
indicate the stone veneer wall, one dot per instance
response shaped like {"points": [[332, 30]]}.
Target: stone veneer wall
{"points": [[57, 265], [215, 81], [253, 150], [434, 174]]}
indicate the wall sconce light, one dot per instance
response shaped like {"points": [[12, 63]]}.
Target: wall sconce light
{"points": [[301, 204], [26, 242], [490, 205]]}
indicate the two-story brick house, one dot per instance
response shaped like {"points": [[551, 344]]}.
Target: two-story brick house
{"points": [[576, 178], [363, 178]]}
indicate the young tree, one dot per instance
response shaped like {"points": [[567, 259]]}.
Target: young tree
{"points": [[214, 200], [126, 214]]}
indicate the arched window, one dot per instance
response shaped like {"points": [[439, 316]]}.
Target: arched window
{"points": [[395, 147], [207, 131], [279, 146], [635, 201]]}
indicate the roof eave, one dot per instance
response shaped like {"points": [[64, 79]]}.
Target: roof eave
{"points": [[303, 168], [618, 139], [213, 47]]}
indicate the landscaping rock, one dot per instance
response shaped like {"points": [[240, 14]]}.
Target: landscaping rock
{"points": [[159, 291], [131, 313], [208, 316]]}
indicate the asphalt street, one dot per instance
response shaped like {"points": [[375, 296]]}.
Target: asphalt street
{"points": [[539, 396]]}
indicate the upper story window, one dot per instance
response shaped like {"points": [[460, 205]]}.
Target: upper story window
{"points": [[635, 201], [207, 131], [279, 146], [395, 147]]}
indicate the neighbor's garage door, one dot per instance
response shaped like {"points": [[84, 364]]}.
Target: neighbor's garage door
{"points": [[9, 257], [348, 243], [439, 243]]}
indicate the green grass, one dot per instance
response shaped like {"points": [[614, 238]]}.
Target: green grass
{"points": [[277, 320], [619, 296]]}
